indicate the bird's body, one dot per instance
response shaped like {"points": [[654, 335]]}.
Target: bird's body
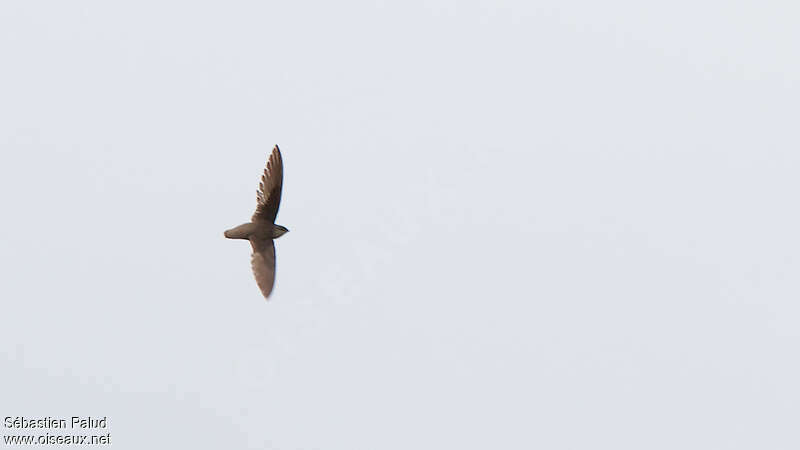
{"points": [[258, 230], [262, 229]]}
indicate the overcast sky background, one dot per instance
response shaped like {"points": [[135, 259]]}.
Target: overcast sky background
{"points": [[514, 225]]}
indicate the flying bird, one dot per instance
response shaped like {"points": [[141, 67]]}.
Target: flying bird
{"points": [[262, 230]]}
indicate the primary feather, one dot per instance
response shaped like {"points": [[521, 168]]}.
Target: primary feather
{"points": [[269, 189]]}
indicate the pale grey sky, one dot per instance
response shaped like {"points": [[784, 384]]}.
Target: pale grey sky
{"points": [[514, 225]]}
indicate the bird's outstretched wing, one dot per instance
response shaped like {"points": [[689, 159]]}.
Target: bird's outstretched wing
{"points": [[269, 190], [263, 262]]}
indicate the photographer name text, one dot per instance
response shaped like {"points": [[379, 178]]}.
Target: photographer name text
{"points": [[55, 422]]}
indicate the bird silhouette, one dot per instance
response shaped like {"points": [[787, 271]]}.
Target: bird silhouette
{"points": [[262, 230]]}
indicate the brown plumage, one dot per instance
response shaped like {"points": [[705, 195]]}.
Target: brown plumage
{"points": [[268, 194], [262, 230]]}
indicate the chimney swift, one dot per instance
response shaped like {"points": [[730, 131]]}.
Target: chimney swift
{"points": [[262, 229]]}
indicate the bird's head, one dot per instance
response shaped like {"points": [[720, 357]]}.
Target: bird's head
{"points": [[278, 231]]}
